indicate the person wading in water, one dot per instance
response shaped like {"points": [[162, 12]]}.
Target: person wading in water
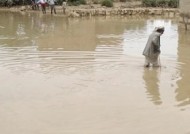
{"points": [[64, 5], [152, 48], [43, 5], [52, 6]]}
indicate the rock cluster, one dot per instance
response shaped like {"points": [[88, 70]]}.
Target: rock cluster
{"points": [[124, 12]]}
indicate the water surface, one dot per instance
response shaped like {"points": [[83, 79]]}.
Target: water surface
{"points": [[86, 76]]}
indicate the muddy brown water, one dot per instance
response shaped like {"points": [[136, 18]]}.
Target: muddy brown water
{"points": [[86, 76]]}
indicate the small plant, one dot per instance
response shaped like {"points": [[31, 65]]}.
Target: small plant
{"points": [[107, 3]]}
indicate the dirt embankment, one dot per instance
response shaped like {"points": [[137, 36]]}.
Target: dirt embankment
{"points": [[119, 8]]}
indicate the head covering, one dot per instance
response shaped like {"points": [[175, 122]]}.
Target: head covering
{"points": [[160, 28]]}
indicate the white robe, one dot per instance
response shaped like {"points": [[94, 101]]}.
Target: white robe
{"points": [[152, 48]]}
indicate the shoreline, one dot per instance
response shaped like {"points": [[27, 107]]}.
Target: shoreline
{"points": [[97, 10]]}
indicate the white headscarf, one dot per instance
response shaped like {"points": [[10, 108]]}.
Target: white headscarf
{"points": [[159, 28]]}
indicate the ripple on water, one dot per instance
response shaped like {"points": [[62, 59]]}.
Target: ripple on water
{"points": [[29, 57]]}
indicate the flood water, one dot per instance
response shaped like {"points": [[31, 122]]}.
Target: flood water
{"points": [[86, 76]]}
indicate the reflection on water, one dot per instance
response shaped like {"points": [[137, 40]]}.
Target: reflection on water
{"points": [[151, 78], [80, 76]]}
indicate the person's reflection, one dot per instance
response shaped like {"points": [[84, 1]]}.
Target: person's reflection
{"points": [[66, 23], [152, 84], [43, 26]]}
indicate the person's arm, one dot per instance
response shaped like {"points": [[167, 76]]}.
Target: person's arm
{"points": [[156, 43]]}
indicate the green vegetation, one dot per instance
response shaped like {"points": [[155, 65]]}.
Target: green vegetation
{"points": [[160, 3], [123, 0], [95, 1], [107, 3], [72, 2], [76, 2], [14, 2], [59, 2], [173, 3]]}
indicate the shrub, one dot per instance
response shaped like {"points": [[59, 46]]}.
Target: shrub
{"points": [[59, 2], [95, 2], [173, 3], [83, 2], [149, 3], [160, 3], [76, 2], [123, 0], [107, 3], [2, 2]]}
